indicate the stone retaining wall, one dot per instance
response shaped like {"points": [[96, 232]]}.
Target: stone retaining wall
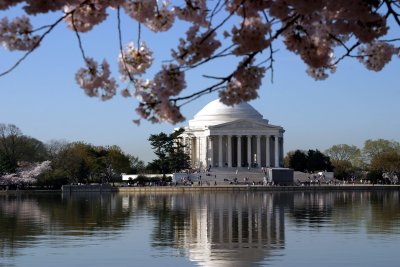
{"points": [[88, 188], [259, 188]]}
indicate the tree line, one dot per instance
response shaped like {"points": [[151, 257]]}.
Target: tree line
{"points": [[25, 160], [378, 160], [70, 162]]}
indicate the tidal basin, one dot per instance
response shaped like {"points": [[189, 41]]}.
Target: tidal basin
{"points": [[238, 228]]}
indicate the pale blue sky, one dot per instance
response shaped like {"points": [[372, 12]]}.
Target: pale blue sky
{"points": [[43, 100]]}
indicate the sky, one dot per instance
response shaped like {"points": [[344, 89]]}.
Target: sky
{"points": [[42, 98]]}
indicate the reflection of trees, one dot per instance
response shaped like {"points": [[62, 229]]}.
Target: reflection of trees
{"points": [[385, 212], [312, 208], [23, 217], [16, 225], [212, 228], [345, 211]]}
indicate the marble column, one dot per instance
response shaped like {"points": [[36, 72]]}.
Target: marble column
{"points": [[258, 151], [197, 152], [203, 152], [267, 152], [193, 151], [249, 150], [211, 152], [281, 149], [220, 164], [229, 151], [239, 151], [276, 151]]}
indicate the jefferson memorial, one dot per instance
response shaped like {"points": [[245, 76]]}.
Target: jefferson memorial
{"points": [[233, 136]]}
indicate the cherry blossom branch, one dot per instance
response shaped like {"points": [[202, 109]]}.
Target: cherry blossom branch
{"points": [[221, 54], [207, 90], [390, 40], [19, 61], [139, 33], [78, 37], [391, 11], [271, 50], [217, 8], [50, 28], [211, 89], [348, 50], [130, 76]]}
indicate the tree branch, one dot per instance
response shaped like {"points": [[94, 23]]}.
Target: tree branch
{"points": [[121, 50], [78, 37], [392, 11], [41, 38], [50, 28], [250, 57]]}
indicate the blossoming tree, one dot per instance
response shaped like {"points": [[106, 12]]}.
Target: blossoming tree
{"points": [[25, 176], [321, 32]]}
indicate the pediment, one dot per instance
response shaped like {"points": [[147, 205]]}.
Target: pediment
{"points": [[242, 124]]}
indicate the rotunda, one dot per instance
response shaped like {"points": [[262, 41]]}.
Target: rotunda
{"points": [[233, 136]]}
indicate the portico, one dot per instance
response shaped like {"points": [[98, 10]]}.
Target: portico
{"points": [[233, 136]]}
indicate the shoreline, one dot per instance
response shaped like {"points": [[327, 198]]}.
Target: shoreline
{"points": [[214, 188], [259, 188]]}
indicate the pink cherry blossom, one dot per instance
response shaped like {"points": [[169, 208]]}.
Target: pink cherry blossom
{"points": [[95, 80], [134, 61], [319, 32], [243, 86], [17, 34]]}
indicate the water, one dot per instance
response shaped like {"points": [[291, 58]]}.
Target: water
{"points": [[200, 229]]}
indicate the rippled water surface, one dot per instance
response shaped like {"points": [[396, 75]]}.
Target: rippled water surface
{"points": [[200, 229]]}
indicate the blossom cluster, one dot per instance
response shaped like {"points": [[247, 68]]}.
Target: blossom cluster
{"points": [[27, 175], [17, 34], [316, 31], [154, 96], [150, 14], [134, 61], [244, 84], [196, 46], [251, 36], [83, 18], [95, 80], [376, 55], [195, 11]]}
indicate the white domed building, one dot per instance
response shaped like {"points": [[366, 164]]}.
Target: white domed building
{"points": [[233, 136]]}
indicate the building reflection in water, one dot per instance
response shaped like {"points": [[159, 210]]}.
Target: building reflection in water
{"points": [[223, 229], [209, 228]]}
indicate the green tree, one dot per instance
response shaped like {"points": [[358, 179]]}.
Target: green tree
{"points": [[170, 152], [343, 152], [374, 148], [161, 145], [16, 147], [9, 134], [31, 150], [342, 169], [287, 158], [314, 160], [110, 162], [75, 161], [317, 161], [298, 160], [54, 178], [178, 158], [388, 163], [375, 175], [136, 164]]}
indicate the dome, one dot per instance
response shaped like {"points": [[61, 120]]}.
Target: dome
{"points": [[217, 112]]}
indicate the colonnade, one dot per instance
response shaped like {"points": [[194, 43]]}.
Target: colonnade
{"points": [[238, 150]]}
